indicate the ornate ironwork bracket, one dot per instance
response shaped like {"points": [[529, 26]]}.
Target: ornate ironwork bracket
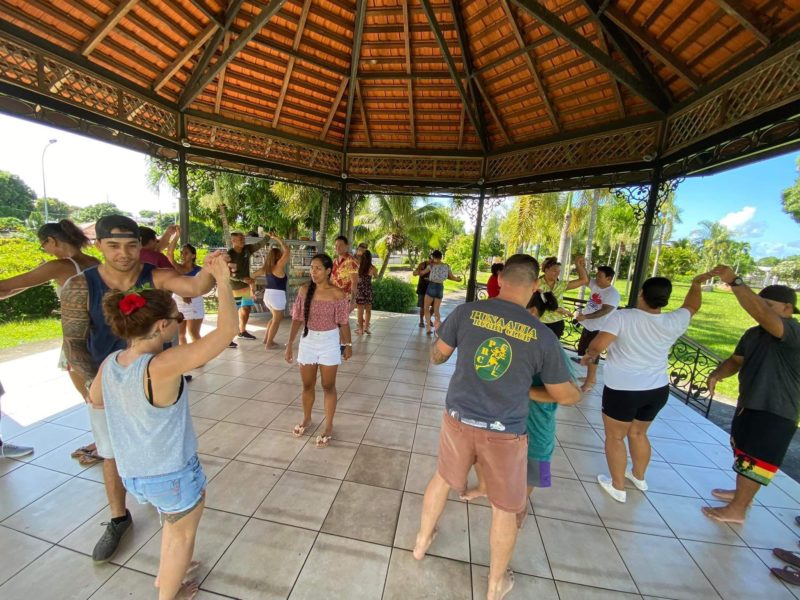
{"points": [[638, 196], [470, 206]]}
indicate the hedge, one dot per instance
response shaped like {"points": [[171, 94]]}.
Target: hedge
{"points": [[393, 295], [18, 255]]}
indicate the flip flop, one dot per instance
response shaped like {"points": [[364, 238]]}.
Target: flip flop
{"points": [[299, 430], [89, 459], [788, 574], [787, 556], [322, 441], [82, 451]]}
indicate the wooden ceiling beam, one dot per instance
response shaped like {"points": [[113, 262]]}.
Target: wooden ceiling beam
{"points": [[334, 107], [475, 115], [363, 113], [532, 67], [266, 13], [106, 26], [649, 43], [221, 80], [184, 56], [210, 14], [603, 60], [410, 84], [679, 20], [355, 58], [290, 64], [747, 19]]}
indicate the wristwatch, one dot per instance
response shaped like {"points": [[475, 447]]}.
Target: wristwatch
{"points": [[737, 281]]}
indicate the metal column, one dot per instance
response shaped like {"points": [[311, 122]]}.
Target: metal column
{"points": [[183, 202], [343, 210], [476, 250], [645, 238]]}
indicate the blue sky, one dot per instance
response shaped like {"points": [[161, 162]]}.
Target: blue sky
{"points": [[82, 171]]}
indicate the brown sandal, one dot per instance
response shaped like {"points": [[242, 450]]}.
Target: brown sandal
{"points": [[788, 574], [90, 459], [84, 450], [787, 556]]}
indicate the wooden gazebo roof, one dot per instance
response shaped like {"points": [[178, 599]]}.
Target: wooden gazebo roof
{"points": [[516, 95]]}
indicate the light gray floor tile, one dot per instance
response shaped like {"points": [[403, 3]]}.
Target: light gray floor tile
{"points": [[587, 464], [347, 427], [24, 485], [398, 409], [200, 425], [293, 415], [367, 386], [380, 467], [409, 391], [426, 440], [252, 569], [774, 497], [364, 513], [575, 436], [573, 591], [684, 516], [434, 396], [212, 464], [17, 551], [703, 480], [663, 478], [45, 438], [357, 568], [452, 539], [637, 514], [434, 577], [762, 529], [421, 468], [396, 435], [430, 415], [280, 393], [331, 461], [736, 573], [525, 586], [75, 573], [679, 452], [529, 554], [407, 375], [359, 404], [255, 413], [216, 406], [273, 449], [436, 381], [661, 566], [226, 439], [565, 499], [299, 499], [209, 382], [128, 584], [60, 459], [584, 554], [46, 518], [240, 487]]}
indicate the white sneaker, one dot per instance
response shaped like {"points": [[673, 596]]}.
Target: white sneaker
{"points": [[605, 483], [14, 451], [640, 484]]}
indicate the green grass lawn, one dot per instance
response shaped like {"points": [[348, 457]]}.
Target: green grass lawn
{"points": [[24, 332]]}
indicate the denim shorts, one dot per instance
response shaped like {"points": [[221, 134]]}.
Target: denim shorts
{"points": [[171, 493], [435, 290]]}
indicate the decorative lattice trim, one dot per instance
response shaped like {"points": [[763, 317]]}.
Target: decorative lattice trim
{"points": [[391, 167]]}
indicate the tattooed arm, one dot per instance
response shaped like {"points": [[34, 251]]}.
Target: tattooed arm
{"points": [[440, 352], [75, 325]]}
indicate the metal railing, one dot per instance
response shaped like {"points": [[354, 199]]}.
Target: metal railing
{"points": [[690, 363]]}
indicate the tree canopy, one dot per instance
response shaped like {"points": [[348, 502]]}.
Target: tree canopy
{"points": [[16, 198]]}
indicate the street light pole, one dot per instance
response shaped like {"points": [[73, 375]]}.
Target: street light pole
{"points": [[44, 187]]}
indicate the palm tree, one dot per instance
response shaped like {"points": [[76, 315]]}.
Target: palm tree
{"points": [[533, 222], [667, 217], [227, 187], [397, 223]]}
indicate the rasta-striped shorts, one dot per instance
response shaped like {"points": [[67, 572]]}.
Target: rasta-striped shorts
{"points": [[760, 440]]}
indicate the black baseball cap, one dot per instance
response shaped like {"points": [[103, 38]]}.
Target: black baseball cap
{"points": [[103, 227], [781, 293]]}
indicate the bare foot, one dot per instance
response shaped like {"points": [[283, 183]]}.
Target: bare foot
{"points": [[188, 590], [272, 346], [191, 570], [501, 590], [474, 493], [723, 514], [421, 547], [726, 495]]}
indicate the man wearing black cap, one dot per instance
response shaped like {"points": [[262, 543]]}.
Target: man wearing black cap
{"points": [[88, 339], [767, 359]]}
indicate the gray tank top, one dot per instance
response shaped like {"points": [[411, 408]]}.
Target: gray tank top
{"points": [[147, 440]]}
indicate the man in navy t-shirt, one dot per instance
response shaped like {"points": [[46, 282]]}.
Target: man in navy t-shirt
{"points": [[501, 347]]}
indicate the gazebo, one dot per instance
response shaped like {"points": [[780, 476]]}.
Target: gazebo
{"points": [[473, 98]]}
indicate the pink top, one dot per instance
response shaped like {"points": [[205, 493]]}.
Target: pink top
{"points": [[154, 258], [325, 314]]}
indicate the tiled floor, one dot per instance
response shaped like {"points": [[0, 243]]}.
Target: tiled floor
{"points": [[285, 520]]}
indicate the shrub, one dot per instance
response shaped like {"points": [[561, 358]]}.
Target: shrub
{"points": [[393, 295], [18, 255]]}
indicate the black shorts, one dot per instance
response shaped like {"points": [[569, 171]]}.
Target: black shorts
{"points": [[556, 327], [760, 440], [586, 339], [421, 298], [627, 405]]}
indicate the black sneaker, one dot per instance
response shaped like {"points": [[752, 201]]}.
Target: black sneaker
{"points": [[233, 345], [108, 543], [246, 335]]}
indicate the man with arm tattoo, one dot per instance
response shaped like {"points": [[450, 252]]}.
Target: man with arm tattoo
{"points": [[88, 339]]}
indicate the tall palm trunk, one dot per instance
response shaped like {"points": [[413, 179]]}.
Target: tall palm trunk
{"points": [[223, 214], [351, 216], [385, 264], [658, 247], [323, 221], [564, 238], [618, 260], [630, 271]]}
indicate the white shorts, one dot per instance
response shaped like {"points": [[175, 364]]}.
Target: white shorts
{"points": [[191, 310], [97, 417], [276, 300], [320, 348]]}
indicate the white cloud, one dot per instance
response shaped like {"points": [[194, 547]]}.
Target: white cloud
{"points": [[735, 221]]}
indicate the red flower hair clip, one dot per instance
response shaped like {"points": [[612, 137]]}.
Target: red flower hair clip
{"points": [[131, 303]]}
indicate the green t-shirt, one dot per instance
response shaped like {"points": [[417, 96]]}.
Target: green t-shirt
{"points": [[552, 316], [541, 423]]}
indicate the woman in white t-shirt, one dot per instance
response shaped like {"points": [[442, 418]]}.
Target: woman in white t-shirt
{"points": [[636, 385]]}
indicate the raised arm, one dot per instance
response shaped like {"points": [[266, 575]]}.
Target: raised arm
{"points": [[583, 276], [183, 358], [57, 270], [286, 251], [190, 287], [173, 242], [694, 297], [166, 238], [75, 326], [755, 306]]}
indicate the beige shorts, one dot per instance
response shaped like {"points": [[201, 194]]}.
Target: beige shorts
{"points": [[97, 417]]}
